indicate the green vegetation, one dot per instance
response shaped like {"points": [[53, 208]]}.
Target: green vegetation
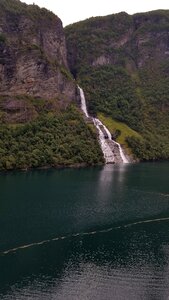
{"points": [[156, 21], [89, 39], [110, 90], [152, 147], [2, 38], [34, 131], [61, 139], [16, 7], [120, 131], [122, 64]]}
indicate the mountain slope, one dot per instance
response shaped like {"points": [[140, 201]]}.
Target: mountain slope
{"points": [[40, 124], [32, 57], [122, 62]]}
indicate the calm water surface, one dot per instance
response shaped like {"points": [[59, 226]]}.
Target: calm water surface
{"points": [[94, 233]]}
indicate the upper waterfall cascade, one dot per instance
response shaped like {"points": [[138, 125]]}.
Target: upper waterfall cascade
{"points": [[83, 102], [112, 150]]}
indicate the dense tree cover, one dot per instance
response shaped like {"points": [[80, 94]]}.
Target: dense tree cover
{"points": [[122, 63], [143, 104], [155, 21], [154, 87], [109, 89], [17, 7], [151, 147], [87, 40], [61, 139], [36, 132]]}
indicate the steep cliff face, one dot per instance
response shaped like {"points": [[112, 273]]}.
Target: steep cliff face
{"points": [[122, 62], [33, 58], [151, 39]]}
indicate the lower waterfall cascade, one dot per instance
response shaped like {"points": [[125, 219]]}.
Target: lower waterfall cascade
{"points": [[112, 151]]}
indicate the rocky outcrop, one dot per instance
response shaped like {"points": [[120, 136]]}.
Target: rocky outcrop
{"points": [[101, 60], [33, 58]]}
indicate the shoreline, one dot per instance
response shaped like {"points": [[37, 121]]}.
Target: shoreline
{"points": [[47, 167], [75, 166]]}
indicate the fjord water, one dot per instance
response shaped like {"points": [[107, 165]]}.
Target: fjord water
{"points": [[95, 233]]}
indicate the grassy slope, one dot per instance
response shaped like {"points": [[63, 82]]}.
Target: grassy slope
{"points": [[124, 130]]}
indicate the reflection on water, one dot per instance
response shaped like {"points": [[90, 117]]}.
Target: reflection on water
{"points": [[105, 236], [109, 176]]}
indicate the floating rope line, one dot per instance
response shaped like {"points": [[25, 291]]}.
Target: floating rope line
{"points": [[81, 234]]}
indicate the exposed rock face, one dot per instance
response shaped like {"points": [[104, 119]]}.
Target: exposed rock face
{"points": [[33, 54], [101, 60]]}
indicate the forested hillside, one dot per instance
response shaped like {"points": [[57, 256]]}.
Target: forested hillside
{"points": [[122, 63], [60, 139], [40, 123]]}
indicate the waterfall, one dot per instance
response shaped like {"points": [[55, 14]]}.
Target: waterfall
{"points": [[107, 151], [105, 138], [124, 159], [83, 102]]}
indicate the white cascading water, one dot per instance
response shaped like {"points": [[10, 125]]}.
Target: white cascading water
{"points": [[83, 102], [108, 154], [124, 159], [107, 151]]}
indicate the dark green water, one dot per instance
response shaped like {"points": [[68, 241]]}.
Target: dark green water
{"points": [[94, 233]]}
